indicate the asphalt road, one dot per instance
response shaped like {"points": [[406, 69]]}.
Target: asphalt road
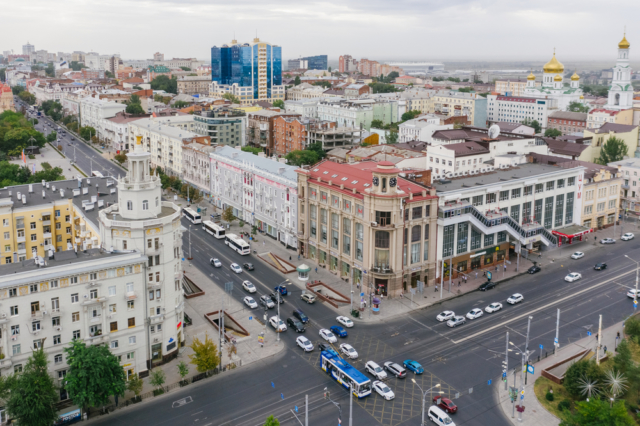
{"points": [[458, 359]]}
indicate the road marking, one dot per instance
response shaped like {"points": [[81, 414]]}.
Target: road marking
{"points": [[196, 413], [555, 302], [181, 402]]}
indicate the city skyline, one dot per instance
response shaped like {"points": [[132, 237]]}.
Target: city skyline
{"points": [[492, 32]]}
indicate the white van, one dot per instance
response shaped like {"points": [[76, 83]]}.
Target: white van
{"points": [[439, 417]]}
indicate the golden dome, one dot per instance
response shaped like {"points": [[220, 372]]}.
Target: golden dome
{"points": [[531, 77], [553, 66], [558, 77], [575, 77], [581, 96], [624, 44]]}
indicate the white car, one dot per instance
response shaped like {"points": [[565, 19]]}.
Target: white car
{"points": [[574, 276], [345, 321], [277, 324], [445, 316], [628, 236], [348, 350], [516, 298], [304, 343], [215, 262], [475, 313], [493, 307], [383, 390], [577, 255], [250, 302], [455, 321], [236, 268], [607, 241], [248, 285], [375, 370], [328, 336], [632, 293]]}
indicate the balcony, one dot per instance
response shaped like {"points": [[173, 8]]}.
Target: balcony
{"points": [[21, 239], [47, 235], [46, 222], [625, 186], [96, 300], [156, 319], [130, 295], [97, 318], [381, 269], [38, 314]]}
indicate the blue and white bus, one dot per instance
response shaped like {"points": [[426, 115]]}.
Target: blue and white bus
{"points": [[192, 215], [237, 244], [345, 374], [213, 229]]}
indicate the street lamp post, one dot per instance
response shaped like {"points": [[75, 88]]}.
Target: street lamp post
{"points": [[424, 395], [525, 361], [635, 295]]}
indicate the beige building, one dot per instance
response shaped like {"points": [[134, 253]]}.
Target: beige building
{"points": [[6, 98], [366, 223], [304, 91], [628, 133], [513, 88], [195, 164], [601, 200], [454, 104], [194, 85]]}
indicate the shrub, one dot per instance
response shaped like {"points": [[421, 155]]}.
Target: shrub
{"points": [[565, 404], [549, 396], [60, 148], [32, 157]]}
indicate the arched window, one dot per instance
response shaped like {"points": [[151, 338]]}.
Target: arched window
{"points": [[617, 99], [384, 184], [157, 201], [129, 205], [415, 233], [145, 205]]}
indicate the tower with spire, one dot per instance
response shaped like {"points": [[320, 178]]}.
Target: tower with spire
{"points": [[621, 90]]}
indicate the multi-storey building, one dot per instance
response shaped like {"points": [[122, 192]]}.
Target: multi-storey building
{"points": [[567, 122], [357, 112], [251, 72], [115, 130], [512, 88], [600, 116], [94, 110], [223, 125], [6, 98], [455, 104], [629, 171], [514, 109], [194, 85], [305, 91], [295, 133], [368, 223], [347, 64], [421, 128], [484, 218], [309, 63], [307, 108], [28, 48], [261, 191], [629, 134], [195, 167]]}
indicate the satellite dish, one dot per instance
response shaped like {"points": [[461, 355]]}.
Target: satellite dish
{"points": [[494, 131]]}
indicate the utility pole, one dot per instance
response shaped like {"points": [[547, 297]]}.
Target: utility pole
{"points": [[278, 296], [522, 389], [351, 404], [513, 404], [506, 362], [526, 349], [220, 328], [190, 257], [556, 342], [599, 341], [306, 410]]}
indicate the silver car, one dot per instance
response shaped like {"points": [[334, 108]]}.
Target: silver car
{"points": [[455, 321]]}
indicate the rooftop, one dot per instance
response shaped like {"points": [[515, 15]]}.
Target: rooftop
{"points": [[569, 115], [466, 148], [631, 162], [262, 163], [616, 128], [565, 147]]}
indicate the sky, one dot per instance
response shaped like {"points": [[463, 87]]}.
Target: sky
{"points": [[428, 30]]}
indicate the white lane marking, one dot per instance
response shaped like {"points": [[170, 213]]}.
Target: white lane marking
{"points": [[555, 302]]}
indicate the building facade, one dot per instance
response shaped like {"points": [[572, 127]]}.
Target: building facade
{"points": [[305, 91], [621, 90], [368, 224], [553, 85], [421, 128], [567, 122], [358, 113], [307, 108], [6, 98], [94, 110], [196, 168], [629, 171], [454, 104], [512, 88], [223, 125], [194, 85], [512, 109], [263, 192]]}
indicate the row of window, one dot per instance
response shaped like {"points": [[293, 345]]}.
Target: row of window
{"points": [[600, 207]]}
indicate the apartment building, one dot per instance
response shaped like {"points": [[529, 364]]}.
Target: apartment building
{"points": [[455, 104], [295, 133], [94, 110], [194, 85], [347, 64], [115, 130], [512, 88], [514, 109], [629, 170], [196, 169], [260, 128], [600, 116], [421, 128], [307, 108], [261, 191], [368, 224], [568, 122], [629, 134], [357, 113], [223, 124], [305, 91], [487, 217]]}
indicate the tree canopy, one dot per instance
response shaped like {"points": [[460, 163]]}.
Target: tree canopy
{"points": [[577, 107], [231, 97], [410, 115], [181, 104], [614, 149], [205, 354], [87, 132], [278, 103], [185, 68], [16, 133], [252, 149], [552, 133], [532, 123], [383, 88], [53, 109], [134, 109], [596, 412], [296, 80], [302, 157], [94, 374], [163, 82], [27, 97], [391, 137], [77, 66]]}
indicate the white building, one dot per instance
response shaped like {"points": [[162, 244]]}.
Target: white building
{"points": [[629, 170], [196, 168], [516, 109], [621, 90], [262, 192], [305, 91], [553, 86], [421, 128], [307, 108], [94, 110], [115, 130]]}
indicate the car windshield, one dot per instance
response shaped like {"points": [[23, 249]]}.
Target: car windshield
{"points": [[447, 421], [385, 389], [450, 404], [377, 369]]}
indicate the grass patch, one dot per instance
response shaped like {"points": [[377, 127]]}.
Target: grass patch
{"points": [[541, 387]]}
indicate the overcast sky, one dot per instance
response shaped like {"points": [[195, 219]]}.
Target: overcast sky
{"points": [[376, 29]]}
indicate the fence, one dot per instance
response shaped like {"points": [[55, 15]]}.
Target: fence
{"points": [[96, 411]]}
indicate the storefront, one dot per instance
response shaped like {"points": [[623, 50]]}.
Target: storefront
{"points": [[571, 234], [485, 258]]}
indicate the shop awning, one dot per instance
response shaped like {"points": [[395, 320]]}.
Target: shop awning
{"points": [[303, 268], [572, 231]]}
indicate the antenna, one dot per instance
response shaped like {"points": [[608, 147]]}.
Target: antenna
{"points": [[494, 131]]}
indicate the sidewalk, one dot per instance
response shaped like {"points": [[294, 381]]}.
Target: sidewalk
{"points": [[51, 156], [535, 414]]}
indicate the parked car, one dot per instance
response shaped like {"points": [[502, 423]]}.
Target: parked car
{"points": [[445, 316], [248, 286], [577, 255], [236, 268], [515, 298], [487, 286], [534, 269], [328, 336], [456, 321], [348, 350], [413, 366], [573, 276], [300, 316], [266, 301], [338, 331], [600, 266], [375, 370], [607, 241], [628, 236], [474, 313], [308, 297], [277, 324], [345, 321], [250, 302], [494, 307], [295, 325], [304, 343], [215, 262], [445, 404], [248, 266], [383, 390], [395, 369]]}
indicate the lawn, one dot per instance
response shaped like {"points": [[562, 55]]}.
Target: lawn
{"points": [[541, 387]]}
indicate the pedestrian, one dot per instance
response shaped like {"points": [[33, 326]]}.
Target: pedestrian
{"points": [[316, 269], [484, 273], [476, 275], [458, 283], [539, 255], [436, 288], [298, 257], [263, 243], [505, 267], [496, 268], [618, 335], [605, 350], [289, 257]]}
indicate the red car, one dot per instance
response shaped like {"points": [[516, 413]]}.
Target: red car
{"points": [[445, 403]]}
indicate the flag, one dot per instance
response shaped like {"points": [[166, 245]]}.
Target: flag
{"points": [[24, 159]]}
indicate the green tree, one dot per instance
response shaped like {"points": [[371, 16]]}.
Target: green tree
{"points": [[465, 89], [623, 361], [183, 370], [377, 124], [181, 104], [134, 99], [77, 66], [187, 191], [163, 82], [50, 70], [27, 97], [383, 88], [136, 87], [53, 109], [87, 132], [391, 137], [410, 115], [94, 374], [231, 97], [596, 412], [272, 421], [317, 148], [552, 133], [157, 378], [454, 79], [329, 69], [109, 74], [302, 157], [134, 109], [631, 325], [3, 75], [33, 396], [185, 68], [227, 215], [52, 136], [17, 90], [120, 158], [252, 149], [205, 354], [278, 103], [325, 84], [614, 149], [578, 371], [68, 119], [532, 123], [296, 81], [135, 384], [577, 107]]}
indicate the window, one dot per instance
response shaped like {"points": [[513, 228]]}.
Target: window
{"points": [[114, 344], [588, 210], [35, 326], [571, 181], [130, 304], [57, 359], [112, 290], [16, 349], [612, 204], [131, 322], [74, 280], [132, 341], [76, 334], [74, 298], [416, 213], [112, 308], [560, 183], [32, 225], [539, 188], [55, 321], [145, 205], [477, 200], [113, 326], [515, 193], [57, 340], [600, 207], [93, 294], [129, 205], [491, 198], [14, 311], [62, 374], [33, 288], [504, 195], [17, 369], [15, 330], [53, 284], [158, 293], [528, 190], [75, 317]]}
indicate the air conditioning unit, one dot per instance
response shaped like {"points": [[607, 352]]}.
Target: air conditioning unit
{"points": [[14, 337], [374, 224], [44, 312], [86, 296], [58, 328], [156, 340]]}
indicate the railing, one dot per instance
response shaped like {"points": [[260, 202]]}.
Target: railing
{"points": [[130, 295], [381, 269]]}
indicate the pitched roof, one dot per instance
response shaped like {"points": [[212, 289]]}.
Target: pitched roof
{"points": [[591, 169], [616, 128], [266, 164], [565, 148], [413, 146], [569, 115], [466, 148]]}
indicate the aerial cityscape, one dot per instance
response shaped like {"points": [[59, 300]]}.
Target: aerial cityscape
{"points": [[377, 221]]}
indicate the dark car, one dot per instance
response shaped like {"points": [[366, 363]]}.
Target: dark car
{"points": [[301, 316], [248, 266], [324, 347], [338, 331], [487, 286], [276, 297], [534, 269], [295, 324], [281, 289], [445, 404], [600, 266]]}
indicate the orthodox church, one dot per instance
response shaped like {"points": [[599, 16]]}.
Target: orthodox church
{"points": [[553, 85], [621, 91]]}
